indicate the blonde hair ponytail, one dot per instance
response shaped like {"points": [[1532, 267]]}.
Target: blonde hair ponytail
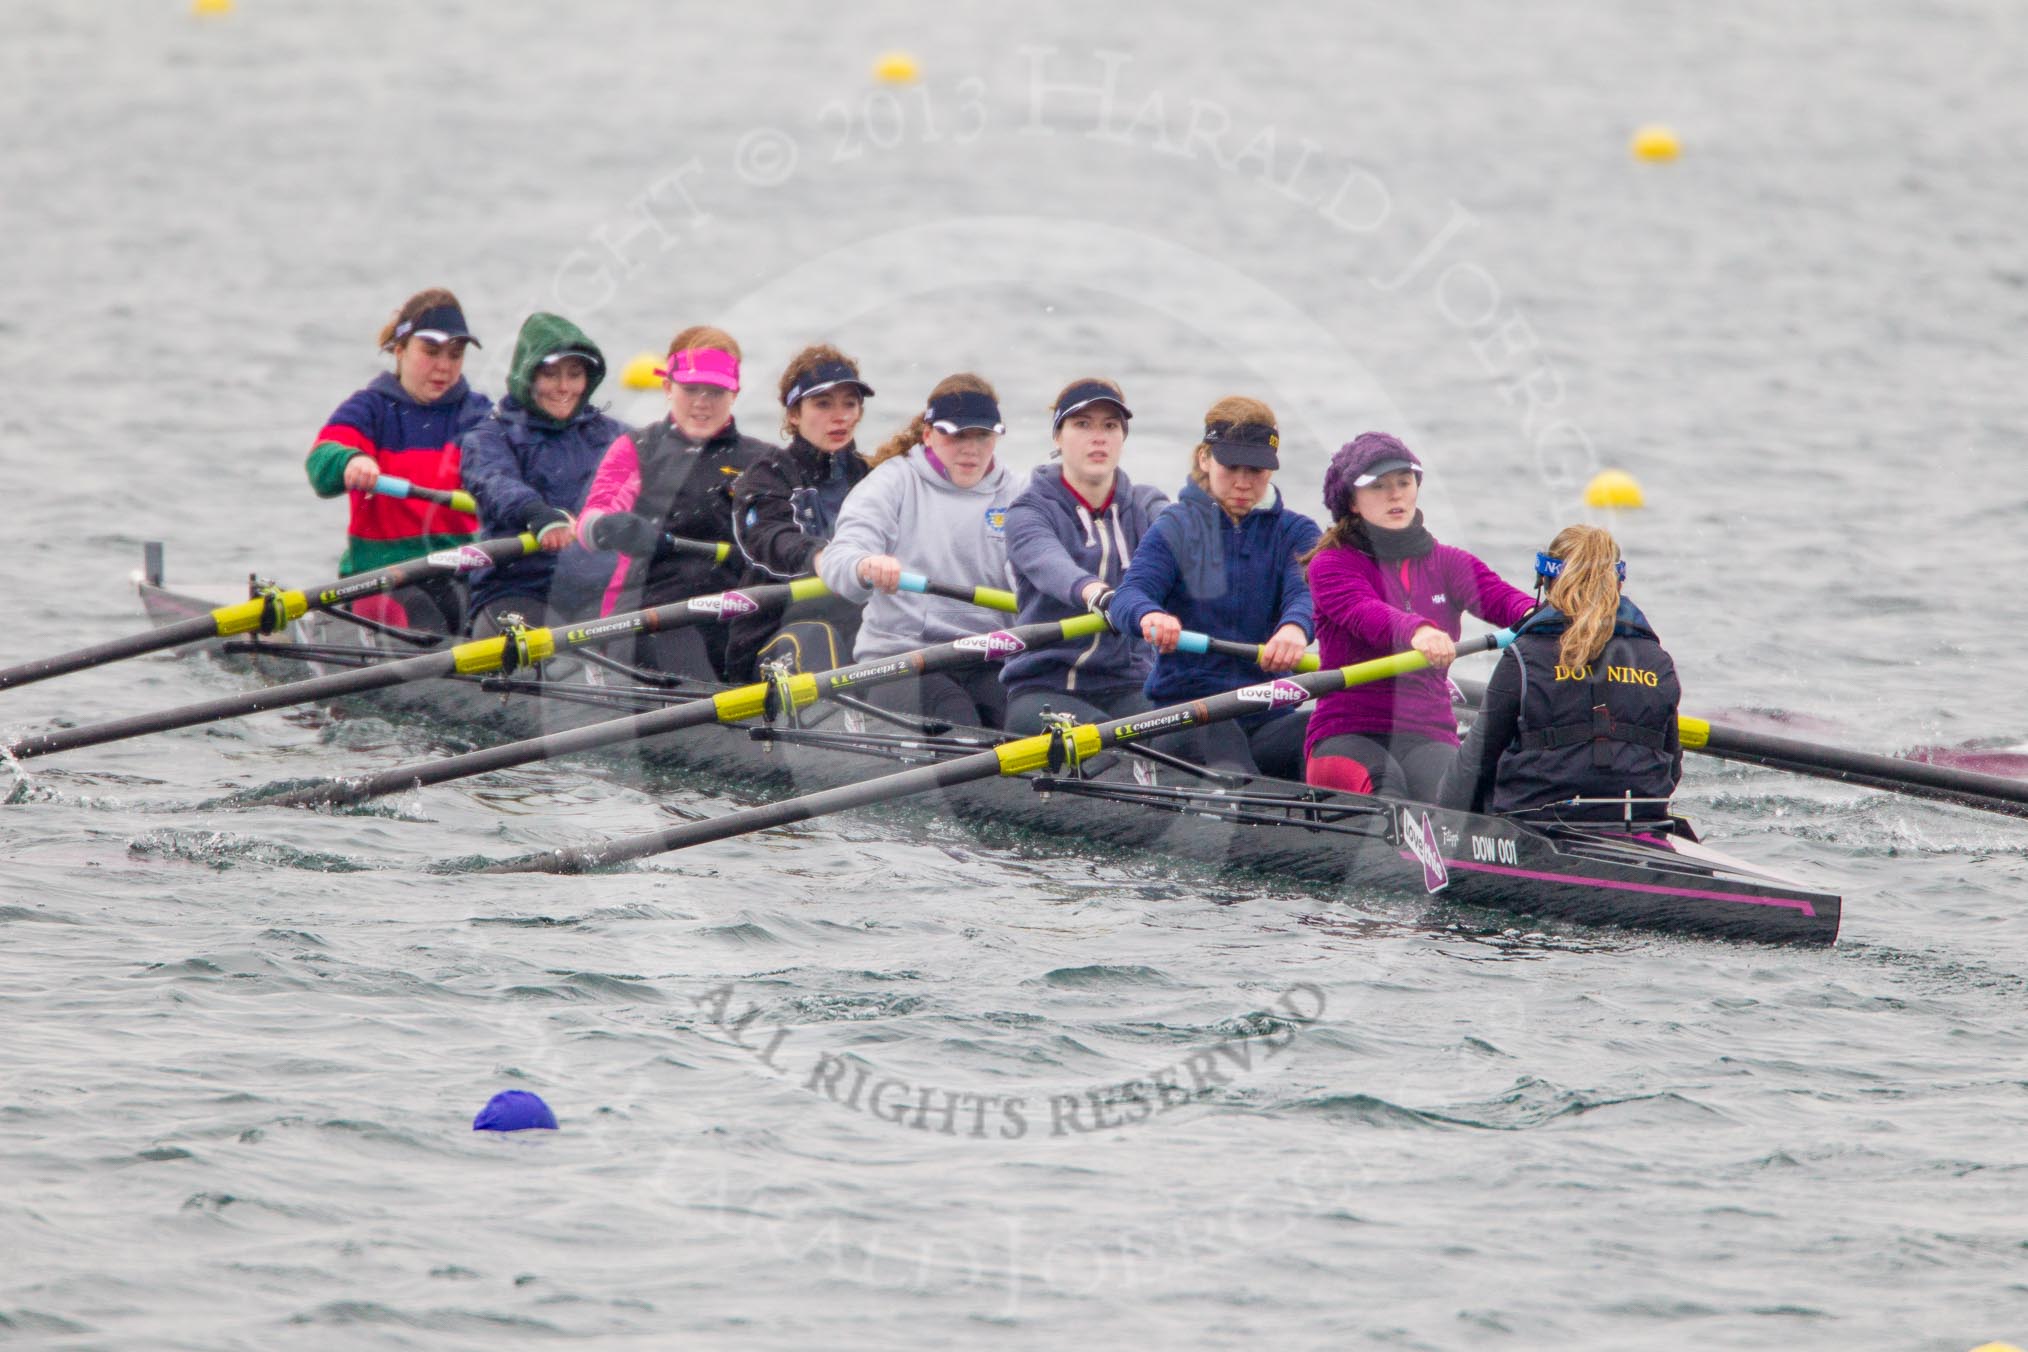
{"points": [[1587, 591], [964, 382]]}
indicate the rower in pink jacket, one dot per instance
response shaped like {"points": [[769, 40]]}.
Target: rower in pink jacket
{"points": [[1381, 584]]}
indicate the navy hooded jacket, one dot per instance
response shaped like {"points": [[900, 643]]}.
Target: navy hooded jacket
{"points": [[1238, 581], [519, 467], [1057, 548]]}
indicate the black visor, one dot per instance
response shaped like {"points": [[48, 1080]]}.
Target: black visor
{"points": [[1244, 445], [964, 411], [827, 375], [439, 323], [1083, 395]]}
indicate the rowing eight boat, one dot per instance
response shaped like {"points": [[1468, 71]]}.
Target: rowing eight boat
{"points": [[1658, 877]]}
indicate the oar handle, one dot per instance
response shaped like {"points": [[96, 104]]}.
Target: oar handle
{"points": [[991, 598], [1190, 641], [389, 486], [718, 551]]}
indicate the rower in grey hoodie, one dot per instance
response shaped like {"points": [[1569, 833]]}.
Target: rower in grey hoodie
{"points": [[908, 509]]}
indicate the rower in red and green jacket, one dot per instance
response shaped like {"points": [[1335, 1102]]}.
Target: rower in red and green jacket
{"points": [[405, 424]]}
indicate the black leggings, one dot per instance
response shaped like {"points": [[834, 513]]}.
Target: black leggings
{"points": [[1024, 707], [972, 698], [1272, 746], [1403, 765]]}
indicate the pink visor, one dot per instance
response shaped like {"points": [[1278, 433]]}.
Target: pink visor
{"points": [[702, 366]]}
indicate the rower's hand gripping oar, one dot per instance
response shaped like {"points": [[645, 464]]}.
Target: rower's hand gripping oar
{"points": [[1023, 755], [510, 652], [457, 499], [275, 609]]}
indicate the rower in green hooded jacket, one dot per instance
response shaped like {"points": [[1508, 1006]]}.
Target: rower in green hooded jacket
{"points": [[529, 464]]}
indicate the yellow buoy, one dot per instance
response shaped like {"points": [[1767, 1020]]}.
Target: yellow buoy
{"points": [[895, 68], [643, 372], [1996, 1347], [1655, 142], [1613, 488], [210, 8]]}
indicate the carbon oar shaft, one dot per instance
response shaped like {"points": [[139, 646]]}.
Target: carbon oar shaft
{"points": [[1968, 787], [267, 614], [1023, 755], [1918, 779], [991, 598], [729, 706], [474, 658], [468, 659]]}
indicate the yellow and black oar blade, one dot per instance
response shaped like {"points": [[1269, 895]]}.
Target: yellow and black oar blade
{"points": [[728, 706], [273, 611], [1023, 755]]}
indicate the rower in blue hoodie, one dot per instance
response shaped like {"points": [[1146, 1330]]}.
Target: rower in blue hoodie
{"points": [[1070, 537], [1225, 560]]}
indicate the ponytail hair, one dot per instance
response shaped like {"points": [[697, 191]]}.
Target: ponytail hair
{"points": [[964, 382], [1339, 533], [1587, 591], [427, 299]]}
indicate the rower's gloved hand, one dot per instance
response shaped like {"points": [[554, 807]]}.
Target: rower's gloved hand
{"points": [[1098, 601], [633, 535], [551, 527]]}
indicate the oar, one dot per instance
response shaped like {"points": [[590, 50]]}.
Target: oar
{"points": [[729, 706], [992, 598], [1995, 793], [1918, 779], [504, 652], [275, 610], [1020, 756], [388, 486]]}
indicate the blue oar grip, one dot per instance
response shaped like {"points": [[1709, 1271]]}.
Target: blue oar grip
{"points": [[1189, 641], [914, 582], [390, 487]]}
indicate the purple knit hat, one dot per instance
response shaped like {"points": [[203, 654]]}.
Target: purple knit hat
{"points": [[1358, 463]]}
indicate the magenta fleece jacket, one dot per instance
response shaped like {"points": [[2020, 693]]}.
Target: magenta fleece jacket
{"points": [[1366, 609]]}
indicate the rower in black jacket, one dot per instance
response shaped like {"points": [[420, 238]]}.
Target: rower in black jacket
{"points": [[1582, 705]]}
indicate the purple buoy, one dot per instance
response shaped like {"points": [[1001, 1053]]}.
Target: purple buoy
{"points": [[514, 1110]]}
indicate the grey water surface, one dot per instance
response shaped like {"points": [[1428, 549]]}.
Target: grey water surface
{"points": [[240, 1050]]}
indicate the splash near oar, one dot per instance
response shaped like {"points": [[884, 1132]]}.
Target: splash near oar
{"points": [[1026, 755], [737, 705], [275, 609], [388, 485], [504, 653]]}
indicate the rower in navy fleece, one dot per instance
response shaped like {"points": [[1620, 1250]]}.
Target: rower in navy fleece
{"points": [[1224, 560], [1582, 706], [1070, 537]]}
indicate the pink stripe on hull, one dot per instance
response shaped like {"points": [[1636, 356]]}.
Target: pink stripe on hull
{"points": [[1793, 904]]}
